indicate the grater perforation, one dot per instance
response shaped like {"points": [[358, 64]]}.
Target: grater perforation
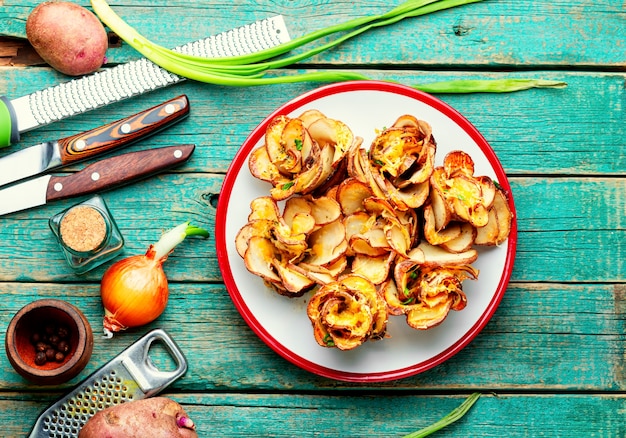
{"points": [[129, 376]]}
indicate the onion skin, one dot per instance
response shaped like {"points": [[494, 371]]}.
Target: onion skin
{"points": [[134, 292]]}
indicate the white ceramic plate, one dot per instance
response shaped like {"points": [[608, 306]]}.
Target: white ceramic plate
{"points": [[282, 322]]}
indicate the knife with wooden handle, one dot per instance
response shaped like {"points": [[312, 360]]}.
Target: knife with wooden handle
{"points": [[51, 155], [102, 175]]}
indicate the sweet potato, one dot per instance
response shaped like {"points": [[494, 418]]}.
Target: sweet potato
{"points": [[70, 38], [157, 417]]}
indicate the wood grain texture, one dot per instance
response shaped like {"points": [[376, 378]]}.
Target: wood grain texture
{"points": [[225, 355], [551, 361], [490, 34], [569, 137], [377, 414], [568, 229]]}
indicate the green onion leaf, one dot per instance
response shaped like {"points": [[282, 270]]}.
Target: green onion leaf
{"points": [[487, 86], [253, 69], [453, 416]]}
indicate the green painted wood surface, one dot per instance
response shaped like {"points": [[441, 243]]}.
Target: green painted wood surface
{"points": [[381, 415], [551, 362], [491, 34], [225, 354]]}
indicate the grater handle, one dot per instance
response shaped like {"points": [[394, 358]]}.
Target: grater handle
{"points": [[136, 360]]}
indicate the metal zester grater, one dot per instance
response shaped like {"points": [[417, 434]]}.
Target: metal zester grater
{"points": [[130, 376], [130, 79]]}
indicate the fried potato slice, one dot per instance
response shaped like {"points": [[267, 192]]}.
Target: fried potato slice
{"points": [[464, 241], [466, 197], [375, 268], [431, 255], [498, 226], [259, 228], [346, 313], [439, 236], [351, 194], [327, 244]]}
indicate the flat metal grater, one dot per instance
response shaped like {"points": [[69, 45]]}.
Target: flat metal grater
{"points": [[131, 375]]}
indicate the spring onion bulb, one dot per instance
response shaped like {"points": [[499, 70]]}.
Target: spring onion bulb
{"points": [[134, 290], [254, 68]]}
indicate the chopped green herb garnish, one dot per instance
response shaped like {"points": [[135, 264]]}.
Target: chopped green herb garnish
{"points": [[287, 186], [328, 340], [298, 144]]}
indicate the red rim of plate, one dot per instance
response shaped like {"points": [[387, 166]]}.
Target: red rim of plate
{"points": [[240, 160]]}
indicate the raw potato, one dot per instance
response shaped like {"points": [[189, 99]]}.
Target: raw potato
{"points": [[70, 38], [157, 417]]}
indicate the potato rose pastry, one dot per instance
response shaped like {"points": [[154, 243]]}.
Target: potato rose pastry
{"points": [[371, 233]]}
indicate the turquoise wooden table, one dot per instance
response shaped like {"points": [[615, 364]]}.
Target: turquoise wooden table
{"points": [[551, 361]]}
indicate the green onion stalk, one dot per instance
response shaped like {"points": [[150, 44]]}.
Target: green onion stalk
{"points": [[252, 69], [453, 416]]}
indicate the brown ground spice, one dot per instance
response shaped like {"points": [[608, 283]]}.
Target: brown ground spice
{"points": [[83, 228]]}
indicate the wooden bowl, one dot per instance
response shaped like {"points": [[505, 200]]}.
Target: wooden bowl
{"points": [[45, 317]]}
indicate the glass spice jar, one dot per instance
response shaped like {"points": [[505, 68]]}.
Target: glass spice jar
{"points": [[87, 234]]}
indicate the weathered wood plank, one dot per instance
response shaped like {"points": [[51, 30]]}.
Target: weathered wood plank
{"points": [[580, 329], [567, 227], [486, 34], [533, 132], [378, 414]]}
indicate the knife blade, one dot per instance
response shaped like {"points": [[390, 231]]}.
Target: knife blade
{"points": [[102, 175], [54, 154], [114, 84]]}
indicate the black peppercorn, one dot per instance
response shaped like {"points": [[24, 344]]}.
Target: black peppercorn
{"points": [[63, 332], [63, 347], [40, 358], [51, 343], [50, 352], [36, 337]]}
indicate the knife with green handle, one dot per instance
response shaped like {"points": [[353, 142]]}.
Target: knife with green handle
{"points": [[50, 155], [102, 175]]}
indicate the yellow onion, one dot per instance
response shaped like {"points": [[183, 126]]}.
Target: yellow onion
{"points": [[134, 290]]}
